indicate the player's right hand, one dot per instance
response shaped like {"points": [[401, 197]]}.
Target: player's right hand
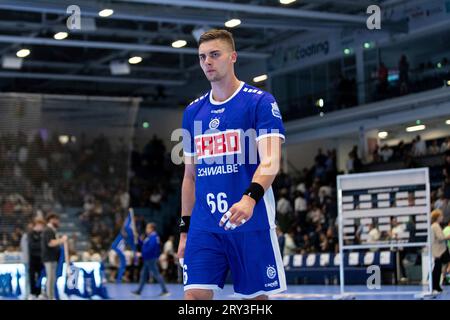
{"points": [[182, 245]]}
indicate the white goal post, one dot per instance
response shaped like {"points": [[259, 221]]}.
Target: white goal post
{"points": [[378, 200]]}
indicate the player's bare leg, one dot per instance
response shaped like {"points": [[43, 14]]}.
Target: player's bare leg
{"points": [[198, 294]]}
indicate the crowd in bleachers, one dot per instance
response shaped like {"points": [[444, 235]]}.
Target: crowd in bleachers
{"points": [[424, 76], [40, 175], [306, 200], [386, 81], [404, 151], [306, 207]]}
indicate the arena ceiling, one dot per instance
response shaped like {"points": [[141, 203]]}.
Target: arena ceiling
{"points": [[81, 63]]}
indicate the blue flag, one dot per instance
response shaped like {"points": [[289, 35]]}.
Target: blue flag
{"points": [[6, 289], [101, 289], [18, 290], [71, 286], [90, 288], [125, 236], [119, 247], [128, 230]]}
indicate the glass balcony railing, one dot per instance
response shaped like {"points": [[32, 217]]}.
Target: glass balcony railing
{"points": [[345, 95]]}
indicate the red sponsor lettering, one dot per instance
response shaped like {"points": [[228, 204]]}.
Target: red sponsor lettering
{"points": [[217, 144]]}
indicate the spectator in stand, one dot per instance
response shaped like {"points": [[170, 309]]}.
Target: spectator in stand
{"points": [[323, 243], [446, 172], [167, 256], [350, 165], [315, 215], [376, 154], [357, 163], [434, 149], [397, 231], [284, 210], [50, 253], [439, 248], [290, 247], [282, 180], [373, 234], [419, 147], [155, 199], [386, 153], [333, 241], [35, 257], [400, 150], [320, 158], [25, 256], [446, 166], [301, 208], [445, 145], [446, 232]]}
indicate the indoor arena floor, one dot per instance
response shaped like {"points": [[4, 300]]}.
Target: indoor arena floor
{"points": [[294, 292]]}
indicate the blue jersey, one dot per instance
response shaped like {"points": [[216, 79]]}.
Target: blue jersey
{"points": [[222, 136], [151, 247]]}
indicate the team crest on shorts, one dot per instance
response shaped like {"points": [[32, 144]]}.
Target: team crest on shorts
{"points": [[271, 272], [214, 123]]}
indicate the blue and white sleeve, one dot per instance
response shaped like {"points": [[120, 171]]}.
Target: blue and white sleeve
{"points": [[268, 119]]}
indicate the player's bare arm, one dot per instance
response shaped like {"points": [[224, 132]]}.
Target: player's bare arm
{"points": [[187, 198]]}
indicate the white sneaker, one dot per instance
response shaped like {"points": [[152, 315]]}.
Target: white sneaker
{"points": [[435, 292]]}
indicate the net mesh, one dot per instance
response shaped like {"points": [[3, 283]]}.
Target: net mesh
{"points": [[67, 155]]}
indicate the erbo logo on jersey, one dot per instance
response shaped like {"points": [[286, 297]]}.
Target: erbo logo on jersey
{"points": [[218, 144]]}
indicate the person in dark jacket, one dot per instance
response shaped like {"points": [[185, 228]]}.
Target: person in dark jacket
{"points": [[34, 256], [151, 249], [50, 253]]}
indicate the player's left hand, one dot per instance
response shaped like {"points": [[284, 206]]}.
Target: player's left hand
{"points": [[238, 214]]}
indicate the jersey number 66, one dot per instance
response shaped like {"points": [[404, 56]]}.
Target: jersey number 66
{"points": [[218, 202]]}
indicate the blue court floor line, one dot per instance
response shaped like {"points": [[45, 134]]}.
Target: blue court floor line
{"points": [[294, 292]]}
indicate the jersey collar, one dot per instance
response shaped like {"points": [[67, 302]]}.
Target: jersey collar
{"points": [[225, 101]]}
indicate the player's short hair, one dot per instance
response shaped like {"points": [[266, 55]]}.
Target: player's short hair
{"points": [[152, 224], [435, 214], [38, 221], [217, 34], [52, 216]]}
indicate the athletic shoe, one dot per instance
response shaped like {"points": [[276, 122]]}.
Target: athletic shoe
{"points": [[164, 294]]}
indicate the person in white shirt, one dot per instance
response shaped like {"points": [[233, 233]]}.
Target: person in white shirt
{"points": [[386, 153], [397, 230], [445, 145], [374, 234], [300, 204], [420, 148], [289, 245], [283, 205]]}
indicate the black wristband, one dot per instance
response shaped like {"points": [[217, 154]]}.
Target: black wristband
{"points": [[255, 191], [185, 221]]}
